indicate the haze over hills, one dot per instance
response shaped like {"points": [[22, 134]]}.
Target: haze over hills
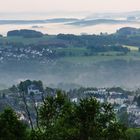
{"points": [[70, 69], [54, 20], [69, 22], [104, 60], [78, 67]]}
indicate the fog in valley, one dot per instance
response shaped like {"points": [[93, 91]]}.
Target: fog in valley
{"points": [[70, 74], [59, 73]]}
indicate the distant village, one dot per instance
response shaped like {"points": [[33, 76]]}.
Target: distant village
{"points": [[25, 53], [123, 102]]}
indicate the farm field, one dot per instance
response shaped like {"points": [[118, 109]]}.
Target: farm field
{"points": [[132, 48]]}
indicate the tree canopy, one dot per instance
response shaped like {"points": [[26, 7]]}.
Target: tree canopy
{"points": [[11, 128], [61, 119], [88, 120]]}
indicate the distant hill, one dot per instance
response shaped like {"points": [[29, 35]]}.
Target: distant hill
{"points": [[84, 22], [128, 31], [25, 33], [53, 20], [88, 60], [59, 20]]}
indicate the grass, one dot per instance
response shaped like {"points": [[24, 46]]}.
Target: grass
{"points": [[26, 41], [78, 53], [133, 133], [101, 58], [132, 48], [73, 50]]}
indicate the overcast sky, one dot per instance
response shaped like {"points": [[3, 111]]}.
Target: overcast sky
{"points": [[68, 5]]}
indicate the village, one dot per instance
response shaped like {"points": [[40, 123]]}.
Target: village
{"points": [[122, 102], [125, 105], [9, 52]]}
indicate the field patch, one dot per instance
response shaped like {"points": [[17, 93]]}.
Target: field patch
{"points": [[132, 48]]}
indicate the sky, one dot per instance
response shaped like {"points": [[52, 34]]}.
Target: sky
{"points": [[69, 5]]}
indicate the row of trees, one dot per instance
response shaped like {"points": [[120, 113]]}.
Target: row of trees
{"points": [[125, 36], [25, 33]]}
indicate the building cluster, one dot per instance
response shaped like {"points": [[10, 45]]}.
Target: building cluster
{"points": [[122, 102], [25, 53]]}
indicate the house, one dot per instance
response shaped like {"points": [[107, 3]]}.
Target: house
{"points": [[117, 98], [137, 122], [133, 109], [33, 89], [75, 100], [21, 115]]}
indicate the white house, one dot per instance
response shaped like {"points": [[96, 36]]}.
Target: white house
{"points": [[75, 100], [118, 98], [133, 109], [33, 89]]}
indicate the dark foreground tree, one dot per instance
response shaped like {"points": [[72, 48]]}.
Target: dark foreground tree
{"points": [[89, 120], [61, 119], [10, 127], [138, 101]]}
